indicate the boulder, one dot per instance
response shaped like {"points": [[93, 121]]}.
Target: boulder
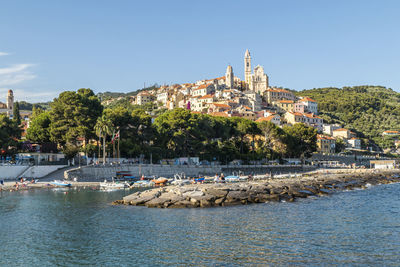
{"points": [[192, 194], [145, 197], [238, 195], [156, 203], [302, 193], [182, 204], [218, 193], [130, 197], [272, 197], [219, 201], [205, 203]]}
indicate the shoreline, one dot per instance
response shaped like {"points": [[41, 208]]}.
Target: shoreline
{"points": [[10, 186], [260, 191]]}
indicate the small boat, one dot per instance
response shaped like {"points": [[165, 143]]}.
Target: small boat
{"points": [[232, 179], [199, 180], [236, 178], [180, 179], [60, 183], [142, 183], [160, 181], [113, 185]]}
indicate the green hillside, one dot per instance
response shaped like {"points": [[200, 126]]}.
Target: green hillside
{"points": [[368, 110]]}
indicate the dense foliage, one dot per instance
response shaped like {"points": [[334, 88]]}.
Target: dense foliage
{"points": [[10, 133], [367, 110]]}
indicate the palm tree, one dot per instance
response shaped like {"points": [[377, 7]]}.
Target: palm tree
{"points": [[103, 128]]}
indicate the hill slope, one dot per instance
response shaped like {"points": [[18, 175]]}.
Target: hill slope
{"points": [[369, 110]]}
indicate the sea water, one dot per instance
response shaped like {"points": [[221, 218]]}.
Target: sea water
{"points": [[81, 228]]}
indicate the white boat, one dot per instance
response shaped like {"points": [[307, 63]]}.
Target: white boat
{"points": [[235, 178], [60, 183], [113, 185], [143, 183], [179, 179]]}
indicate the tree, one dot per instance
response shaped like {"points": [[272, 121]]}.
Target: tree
{"points": [[273, 140], [301, 140], [16, 114], [9, 135], [340, 145], [74, 115], [39, 128], [103, 129]]}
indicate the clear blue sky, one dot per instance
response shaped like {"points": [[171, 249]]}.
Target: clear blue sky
{"points": [[50, 46]]}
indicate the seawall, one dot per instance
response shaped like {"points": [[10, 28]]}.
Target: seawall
{"points": [[15, 171], [106, 172]]}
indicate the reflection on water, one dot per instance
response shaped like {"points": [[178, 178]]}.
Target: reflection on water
{"points": [[80, 227]]}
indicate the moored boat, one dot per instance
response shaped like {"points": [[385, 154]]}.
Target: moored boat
{"points": [[113, 185], [160, 181], [61, 183], [142, 183]]}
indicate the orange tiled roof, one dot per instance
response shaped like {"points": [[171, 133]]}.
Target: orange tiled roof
{"points": [[202, 86], [310, 115], [278, 90], [221, 105], [269, 118], [306, 98], [286, 101], [340, 130], [395, 132], [325, 137], [206, 96]]}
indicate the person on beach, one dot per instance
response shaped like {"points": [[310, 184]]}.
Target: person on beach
{"points": [[222, 177], [216, 179]]}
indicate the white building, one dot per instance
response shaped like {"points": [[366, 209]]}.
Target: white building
{"points": [[258, 81], [310, 104], [354, 143]]}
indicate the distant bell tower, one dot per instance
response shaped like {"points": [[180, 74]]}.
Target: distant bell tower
{"points": [[247, 68], [10, 102], [229, 77]]}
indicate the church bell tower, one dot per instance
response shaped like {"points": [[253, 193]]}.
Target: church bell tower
{"points": [[10, 103], [229, 77], [247, 68]]}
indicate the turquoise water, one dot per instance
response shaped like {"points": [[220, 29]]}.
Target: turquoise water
{"points": [[81, 228]]}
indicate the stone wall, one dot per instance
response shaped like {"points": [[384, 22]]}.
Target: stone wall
{"points": [[14, 171]]}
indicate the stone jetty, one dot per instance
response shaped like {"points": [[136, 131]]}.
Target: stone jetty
{"points": [[260, 191]]}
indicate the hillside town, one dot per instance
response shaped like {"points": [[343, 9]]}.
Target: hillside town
{"points": [[253, 99], [228, 96]]}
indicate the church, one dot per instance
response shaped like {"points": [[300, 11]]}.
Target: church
{"points": [[8, 107], [257, 81]]}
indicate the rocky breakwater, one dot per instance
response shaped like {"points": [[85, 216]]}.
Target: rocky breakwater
{"points": [[288, 189]]}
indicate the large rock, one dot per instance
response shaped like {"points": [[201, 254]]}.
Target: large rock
{"points": [[192, 194], [219, 201], [156, 203], [130, 197], [216, 192], [144, 197], [182, 204], [259, 189]]}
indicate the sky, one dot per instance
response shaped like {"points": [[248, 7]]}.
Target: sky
{"points": [[47, 47]]}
